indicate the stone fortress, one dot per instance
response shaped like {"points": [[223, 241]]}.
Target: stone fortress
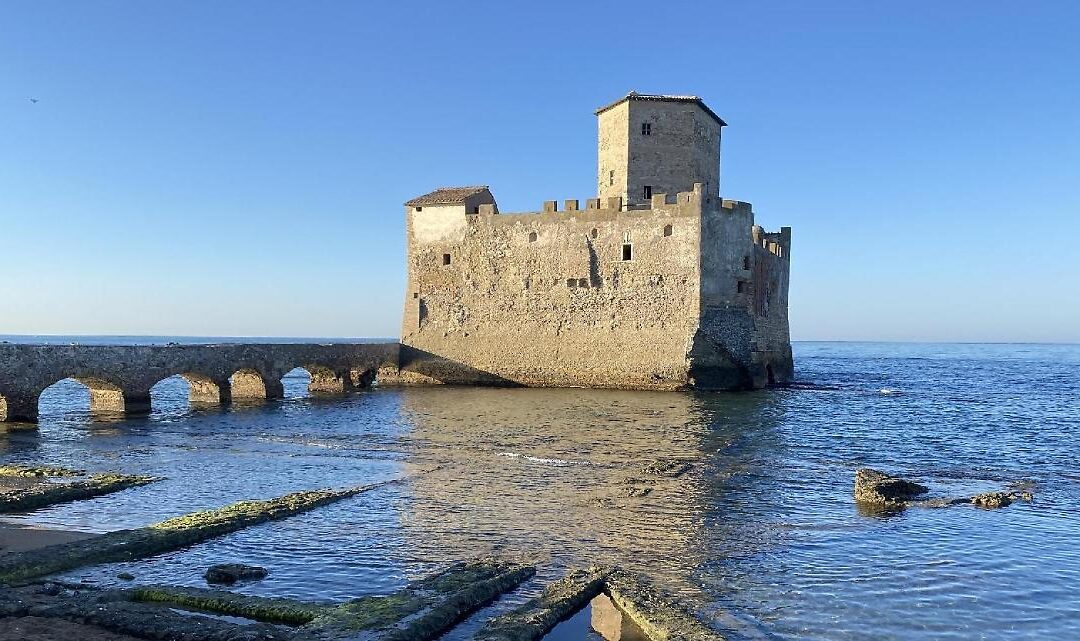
{"points": [[656, 284]]}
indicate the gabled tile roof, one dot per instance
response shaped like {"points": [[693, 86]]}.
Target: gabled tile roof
{"points": [[447, 196], [633, 95]]}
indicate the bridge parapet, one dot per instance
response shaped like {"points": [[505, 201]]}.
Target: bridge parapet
{"points": [[120, 376]]}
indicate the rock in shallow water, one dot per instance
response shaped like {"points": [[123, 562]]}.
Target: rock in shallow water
{"points": [[233, 572], [873, 486]]}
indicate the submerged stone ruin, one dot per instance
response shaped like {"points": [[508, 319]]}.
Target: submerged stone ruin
{"points": [[421, 611]]}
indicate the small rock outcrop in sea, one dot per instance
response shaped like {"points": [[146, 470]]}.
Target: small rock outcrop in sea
{"points": [[878, 491], [233, 572], [875, 487]]}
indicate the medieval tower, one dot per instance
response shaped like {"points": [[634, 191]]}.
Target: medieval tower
{"points": [[656, 284]]}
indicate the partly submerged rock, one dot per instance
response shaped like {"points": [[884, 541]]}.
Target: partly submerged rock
{"points": [[233, 572], [879, 488]]}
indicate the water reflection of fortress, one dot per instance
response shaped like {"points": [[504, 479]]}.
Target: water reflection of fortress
{"points": [[520, 472]]}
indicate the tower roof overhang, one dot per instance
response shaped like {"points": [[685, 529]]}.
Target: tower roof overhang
{"points": [[448, 196], [633, 95]]}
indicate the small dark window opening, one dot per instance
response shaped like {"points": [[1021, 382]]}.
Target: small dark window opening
{"points": [[416, 295], [446, 259], [742, 286], [628, 252], [532, 237], [611, 177], [770, 375], [419, 209], [594, 233], [583, 282], [646, 129], [571, 282], [667, 230], [746, 262], [647, 192], [475, 210]]}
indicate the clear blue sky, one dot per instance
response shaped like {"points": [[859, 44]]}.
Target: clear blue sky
{"points": [[238, 168]]}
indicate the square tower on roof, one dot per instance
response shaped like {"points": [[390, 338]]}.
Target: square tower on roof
{"points": [[654, 144]]}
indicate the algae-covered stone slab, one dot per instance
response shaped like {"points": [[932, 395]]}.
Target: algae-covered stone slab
{"points": [[41, 471], [269, 610], [661, 618], [38, 496], [173, 534], [151, 621], [558, 601], [425, 609]]}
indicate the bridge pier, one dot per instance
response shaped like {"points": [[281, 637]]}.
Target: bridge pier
{"points": [[136, 402], [19, 407], [274, 388]]}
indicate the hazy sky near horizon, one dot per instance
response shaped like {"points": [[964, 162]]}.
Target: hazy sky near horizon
{"points": [[239, 168]]}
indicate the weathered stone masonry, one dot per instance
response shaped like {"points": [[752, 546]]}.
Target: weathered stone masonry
{"points": [[658, 284]]}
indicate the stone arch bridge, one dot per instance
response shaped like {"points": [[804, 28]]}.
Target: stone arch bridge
{"points": [[120, 376]]}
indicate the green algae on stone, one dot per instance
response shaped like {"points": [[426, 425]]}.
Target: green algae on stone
{"points": [[41, 495], [25, 471], [425, 609], [169, 535], [269, 610], [657, 615], [558, 601]]}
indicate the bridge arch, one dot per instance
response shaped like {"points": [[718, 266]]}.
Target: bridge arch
{"points": [[88, 393], [326, 380], [191, 388]]}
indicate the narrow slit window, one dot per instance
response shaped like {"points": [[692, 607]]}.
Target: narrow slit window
{"points": [[628, 252], [446, 259], [646, 192], [611, 177], [668, 230]]}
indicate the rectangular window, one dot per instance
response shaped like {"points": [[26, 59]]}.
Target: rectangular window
{"points": [[446, 259], [628, 252], [646, 129], [611, 178], [746, 262], [742, 287], [647, 192]]}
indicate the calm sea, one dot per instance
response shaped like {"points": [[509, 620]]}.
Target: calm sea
{"points": [[760, 534]]}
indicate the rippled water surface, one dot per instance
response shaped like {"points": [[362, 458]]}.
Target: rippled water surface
{"points": [[760, 533]]}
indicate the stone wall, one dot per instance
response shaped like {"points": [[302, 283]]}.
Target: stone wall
{"points": [[546, 299]]}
